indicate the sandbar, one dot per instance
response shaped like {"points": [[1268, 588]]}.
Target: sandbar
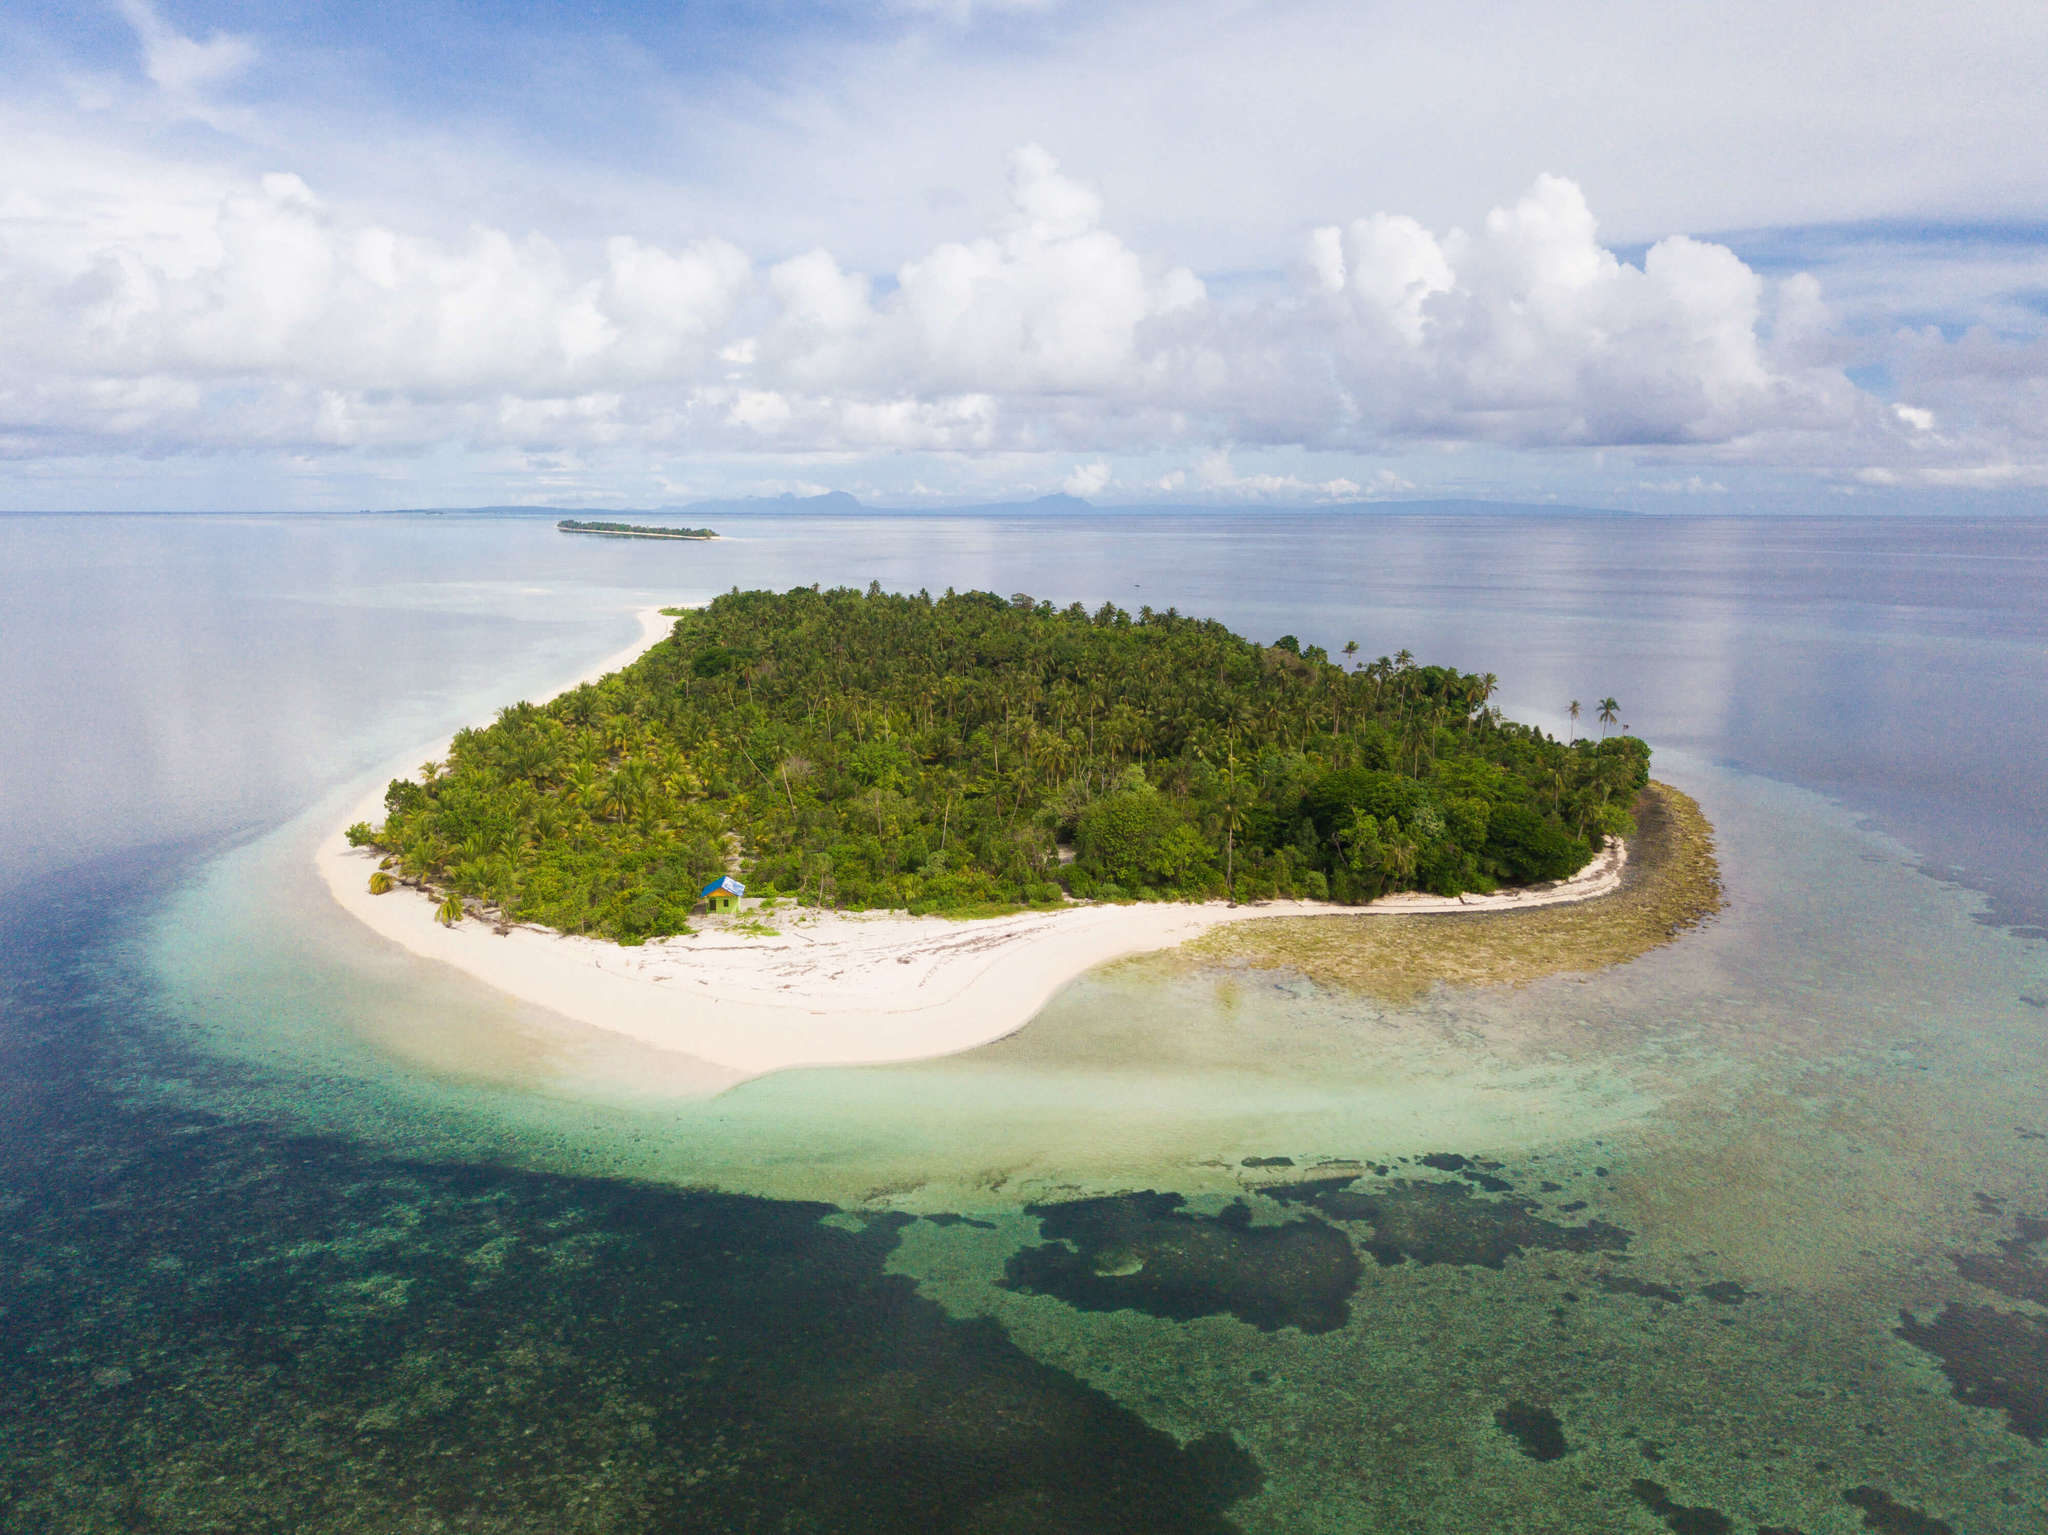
{"points": [[830, 988]]}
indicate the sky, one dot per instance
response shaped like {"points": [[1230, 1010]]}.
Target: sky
{"points": [[1695, 257]]}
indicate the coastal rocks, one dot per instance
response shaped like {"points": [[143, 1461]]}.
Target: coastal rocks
{"points": [[1146, 1252]]}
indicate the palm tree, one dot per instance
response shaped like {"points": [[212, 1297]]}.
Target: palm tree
{"points": [[1482, 690], [1610, 711], [625, 791], [1573, 711], [1351, 651], [449, 912], [1397, 858], [1230, 816]]}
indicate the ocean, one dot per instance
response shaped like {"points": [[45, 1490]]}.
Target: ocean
{"points": [[301, 1233]]}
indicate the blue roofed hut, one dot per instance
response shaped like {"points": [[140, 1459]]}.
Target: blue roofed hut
{"points": [[722, 894]]}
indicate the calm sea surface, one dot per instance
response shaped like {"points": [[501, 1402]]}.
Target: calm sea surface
{"points": [[298, 1233]]}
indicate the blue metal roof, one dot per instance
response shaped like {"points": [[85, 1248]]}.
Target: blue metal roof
{"points": [[725, 884]]}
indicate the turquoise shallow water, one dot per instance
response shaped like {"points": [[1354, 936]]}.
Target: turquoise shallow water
{"points": [[1747, 1235]]}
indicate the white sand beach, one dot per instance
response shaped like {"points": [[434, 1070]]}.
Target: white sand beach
{"points": [[830, 988]]}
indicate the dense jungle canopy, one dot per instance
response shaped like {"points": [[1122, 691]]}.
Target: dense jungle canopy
{"points": [[974, 751]]}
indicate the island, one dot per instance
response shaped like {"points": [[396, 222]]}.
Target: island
{"points": [[926, 814], [631, 530], [971, 754]]}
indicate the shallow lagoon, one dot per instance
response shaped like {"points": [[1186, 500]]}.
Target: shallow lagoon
{"points": [[1632, 1251]]}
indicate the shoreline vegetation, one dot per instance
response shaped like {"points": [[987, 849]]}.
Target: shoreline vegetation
{"points": [[1672, 884], [972, 755], [630, 530]]}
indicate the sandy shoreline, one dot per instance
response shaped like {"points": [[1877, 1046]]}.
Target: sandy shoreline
{"points": [[832, 988]]}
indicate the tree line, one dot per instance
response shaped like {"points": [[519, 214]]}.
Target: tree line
{"points": [[974, 752]]}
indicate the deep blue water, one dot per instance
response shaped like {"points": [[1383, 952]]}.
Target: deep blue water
{"points": [[210, 1321]]}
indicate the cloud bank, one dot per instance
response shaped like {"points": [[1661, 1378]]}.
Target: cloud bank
{"points": [[266, 316]]}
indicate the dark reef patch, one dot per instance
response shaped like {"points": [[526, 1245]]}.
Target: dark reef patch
{"points": [[1992, 1358], [1995, 1358], [1536, 1429], [1681, 1518], [1722, 1292], [1473, 1169], [1433, 1222], [943, 1220], [1889, 1517], [1627, 1284], [1145, 1252], [2016, 1269]]}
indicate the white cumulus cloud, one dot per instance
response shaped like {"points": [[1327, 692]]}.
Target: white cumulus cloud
{"points": [[1086, 479], [1051, 304], [165, 307], [1531, 331]]}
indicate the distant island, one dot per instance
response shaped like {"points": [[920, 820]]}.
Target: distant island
{"points": [[631, 530], [971, 753]]}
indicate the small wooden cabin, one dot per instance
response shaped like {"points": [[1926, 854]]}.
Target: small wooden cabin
{"points": [[722, 895]]}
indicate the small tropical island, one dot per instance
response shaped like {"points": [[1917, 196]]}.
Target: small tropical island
{"points": [[972, 754], [631, 530], [827, 827], [840, 827]]}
